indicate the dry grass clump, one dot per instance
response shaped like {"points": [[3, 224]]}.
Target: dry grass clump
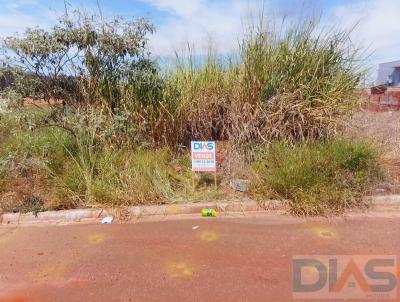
{"points": [[317, 178]]}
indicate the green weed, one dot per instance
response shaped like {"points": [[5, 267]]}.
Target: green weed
{"points": [[317, 177]]}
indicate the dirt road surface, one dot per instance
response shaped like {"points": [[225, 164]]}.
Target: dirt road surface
{"points": [[236, 259]]}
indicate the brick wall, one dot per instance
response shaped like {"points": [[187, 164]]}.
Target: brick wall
{"points": [[382, 98]]}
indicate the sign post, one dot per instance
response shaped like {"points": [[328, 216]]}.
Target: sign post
{"points": [[203, 157]]}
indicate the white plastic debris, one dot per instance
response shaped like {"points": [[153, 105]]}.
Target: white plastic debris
{"points": [[107, 220], [195, 227]]}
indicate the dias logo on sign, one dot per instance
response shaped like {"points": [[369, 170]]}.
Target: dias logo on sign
{"points": [[203, 156], [345, 277], [203, 146]]}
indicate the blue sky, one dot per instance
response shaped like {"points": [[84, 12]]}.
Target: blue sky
{"points": [[221, 22]]}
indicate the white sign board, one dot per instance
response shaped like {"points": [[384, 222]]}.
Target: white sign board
{"points": [[203, 156]]}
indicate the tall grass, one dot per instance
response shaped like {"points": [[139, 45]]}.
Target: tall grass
{"points": [[293, 83], [303, 79], [317, 178], [128, 178], [197, 99]]}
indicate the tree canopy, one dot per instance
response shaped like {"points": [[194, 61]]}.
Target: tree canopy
{"points": [[78, 59]]}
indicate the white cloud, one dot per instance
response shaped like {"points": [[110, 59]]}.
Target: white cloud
{"points": [[15, 22], [377, 27], [181, 8], [200, 23], [20, 3]]}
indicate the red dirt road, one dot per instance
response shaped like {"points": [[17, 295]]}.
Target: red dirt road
{"points": [[240, 259]]}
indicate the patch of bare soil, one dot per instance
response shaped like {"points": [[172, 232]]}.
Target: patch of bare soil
{"points": [[18, 196], [383, 130]]}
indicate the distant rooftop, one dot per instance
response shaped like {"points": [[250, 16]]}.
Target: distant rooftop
{"points": [[391, 64]]}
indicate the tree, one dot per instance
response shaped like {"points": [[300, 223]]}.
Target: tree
{"points": [[82, 60]]}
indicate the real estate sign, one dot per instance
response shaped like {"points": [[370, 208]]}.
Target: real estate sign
{"points": [[203, 156]]}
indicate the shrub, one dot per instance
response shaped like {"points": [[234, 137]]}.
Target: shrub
{"points": [[84, 58], [317, 177]]}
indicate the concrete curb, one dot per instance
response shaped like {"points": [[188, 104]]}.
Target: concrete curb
{"points": [[133, 213], [388, 204]]}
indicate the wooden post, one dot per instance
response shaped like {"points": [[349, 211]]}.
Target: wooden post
{"points": [[215, 180]]}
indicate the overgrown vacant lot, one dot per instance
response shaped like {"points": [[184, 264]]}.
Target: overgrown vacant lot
{"points": [[44, 168], [119, 130]]}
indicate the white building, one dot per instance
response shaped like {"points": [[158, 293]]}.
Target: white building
{"points": [[389, 74]]}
